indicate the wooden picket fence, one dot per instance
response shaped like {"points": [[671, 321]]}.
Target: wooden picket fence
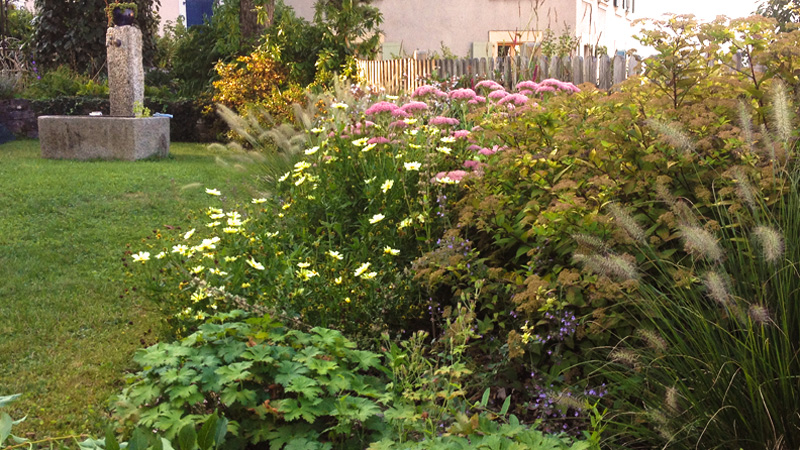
{"points": [[396, 75]]}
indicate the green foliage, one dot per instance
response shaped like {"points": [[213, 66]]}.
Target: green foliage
{"points": [[349, 31], [64, 82], [73, 33], [786, 12], [275, 385], [713, 360]]}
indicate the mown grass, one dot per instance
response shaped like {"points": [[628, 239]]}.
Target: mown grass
{"points": [[67, 326]]}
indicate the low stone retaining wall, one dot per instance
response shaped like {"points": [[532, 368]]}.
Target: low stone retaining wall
{"points": [[189, 123]]}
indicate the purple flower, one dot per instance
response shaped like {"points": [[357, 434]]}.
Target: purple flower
{"points": [[441, 120], [398, 124], [474, 165], [473, 148], [380, 107]]}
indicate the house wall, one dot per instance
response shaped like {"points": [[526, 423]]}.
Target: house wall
{"points": [[468, 27]]}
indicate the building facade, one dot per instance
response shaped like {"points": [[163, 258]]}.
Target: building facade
{"points": [[491, 28]]}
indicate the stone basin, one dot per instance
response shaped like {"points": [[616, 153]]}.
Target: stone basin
{"points": [[104, 137]]}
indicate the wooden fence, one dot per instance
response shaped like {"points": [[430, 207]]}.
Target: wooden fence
{"points": [[397, 75]]}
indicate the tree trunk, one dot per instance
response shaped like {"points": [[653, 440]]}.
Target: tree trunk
{"points": [[248, 19]]}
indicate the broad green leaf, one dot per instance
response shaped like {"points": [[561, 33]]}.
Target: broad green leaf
{"points": [[206, 435], [6, 399], [220, 431], [111, 440], [485, 398], [506, 405], [139, 440], [5, 426], [187, 437], [234, 372]]}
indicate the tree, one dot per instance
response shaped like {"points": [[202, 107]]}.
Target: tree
{"points": [[73, 33], [784, 11], [350, 29]]}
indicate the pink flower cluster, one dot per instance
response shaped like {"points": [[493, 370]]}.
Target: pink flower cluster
{"points": [[463, 94], [548, 85], [455, 175], [424, 91], [513, 100], [442, 120], [412, 107], [381, 107], [489, 84]]}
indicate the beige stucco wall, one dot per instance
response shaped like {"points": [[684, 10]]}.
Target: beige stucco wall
{"points": [[411, 25]]}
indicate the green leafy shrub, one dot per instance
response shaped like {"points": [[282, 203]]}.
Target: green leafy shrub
{"points": [[712, 362], [275, 385]]}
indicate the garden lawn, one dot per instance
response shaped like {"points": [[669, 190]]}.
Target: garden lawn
{"points": [[68, 327]]}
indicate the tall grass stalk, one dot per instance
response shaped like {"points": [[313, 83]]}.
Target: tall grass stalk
{"points": [[725, 373]]}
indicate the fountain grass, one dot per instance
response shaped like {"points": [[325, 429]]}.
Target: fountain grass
{"points": [[68, 327]]}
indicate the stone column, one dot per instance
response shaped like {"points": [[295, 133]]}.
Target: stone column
{"points": [[125, 71]]}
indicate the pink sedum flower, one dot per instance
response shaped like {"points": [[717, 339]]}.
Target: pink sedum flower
{"points": [[478, 100], [463, 94], [513, 100], [497, 95], [424, 91], [530, 85], [460, 134], [379, 140], [441, 120], [412, 107], [380, 107]]}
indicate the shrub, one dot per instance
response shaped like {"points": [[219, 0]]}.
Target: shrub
{"points": [[712, 362], [274, 385]]}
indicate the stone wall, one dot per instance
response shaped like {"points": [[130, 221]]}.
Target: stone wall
{"points": [[189, 123]]}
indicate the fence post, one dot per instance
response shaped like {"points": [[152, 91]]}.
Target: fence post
{"points": [[619, 69], [577, 70], [605, 72]]}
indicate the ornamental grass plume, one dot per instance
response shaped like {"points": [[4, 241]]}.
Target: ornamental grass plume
{"points": [[781, 116], [744, 190], [745, 123], [610, 265], [700, 242], [673, 135], [627, 223], [652, 340], [771, 243], [717, 289]]}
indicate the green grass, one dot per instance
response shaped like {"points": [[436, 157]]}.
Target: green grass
{"points": [[68, 328]]}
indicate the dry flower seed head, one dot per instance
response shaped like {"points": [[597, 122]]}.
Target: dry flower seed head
{"points": [[771, 243], [627, 223], [662, 191], [625, 357], [746, 123], [700, 242], [769, 144], [590, 242], [671, 400], [673, 135], [759, 314], [652, 340], [610, 265], [780, 111], [744, 190], [717, 289], [567, 400], [684, 214]]}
